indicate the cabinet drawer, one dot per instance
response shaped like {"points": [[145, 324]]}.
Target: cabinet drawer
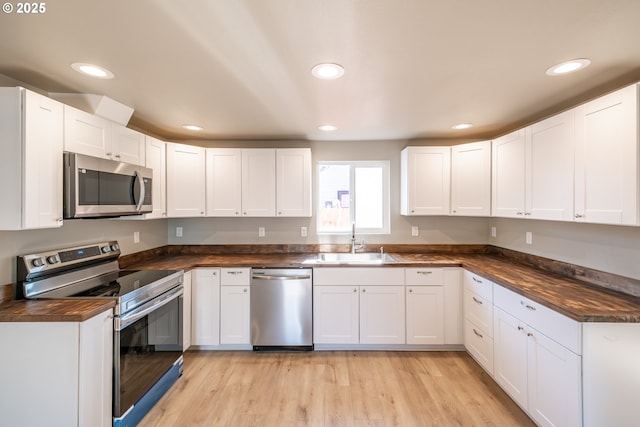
{"points": [[235, 276], [479, 345], [358, 276], [479, 311], [478, 285], [556, 326], [424, 276]]}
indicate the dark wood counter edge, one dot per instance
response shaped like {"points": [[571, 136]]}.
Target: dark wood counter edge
{"points": [[53, 310]]}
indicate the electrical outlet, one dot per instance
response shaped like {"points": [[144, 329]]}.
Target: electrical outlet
{"points": [[494, 232], [303, 231], [178, 231], [260, 231], [528, 237], [136, 237], [415, 231]]}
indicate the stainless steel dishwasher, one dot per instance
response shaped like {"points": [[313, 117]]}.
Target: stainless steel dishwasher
{"points": [[281, 308]]}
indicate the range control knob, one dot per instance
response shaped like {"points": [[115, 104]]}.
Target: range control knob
{"points": [[53, 259], [115, 247], [105, 249], [37, 262]]}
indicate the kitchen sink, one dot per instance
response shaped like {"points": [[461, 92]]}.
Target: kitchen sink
{"points": [[350, 258]]}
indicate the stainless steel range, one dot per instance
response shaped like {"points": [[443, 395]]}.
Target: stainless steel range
{"points": [[147, 342]]}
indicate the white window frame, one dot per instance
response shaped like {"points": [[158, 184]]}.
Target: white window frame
{"points": [[386, 196]]}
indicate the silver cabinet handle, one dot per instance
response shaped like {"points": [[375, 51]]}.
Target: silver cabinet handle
{"points": [[424, 272], [477, 333], [530, 307], [476, 300], [520, 328], [476, 280]]}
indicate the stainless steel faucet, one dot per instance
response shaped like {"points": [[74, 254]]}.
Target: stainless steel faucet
{"points": [[355, 247]]}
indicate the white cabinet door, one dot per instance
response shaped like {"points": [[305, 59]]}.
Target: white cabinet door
{"points": [[186, 311], [127, 145], [85, 133], [425, 180], [554, 382], [185, 180], [336, 315], [205, 306], [235, 316], [510, 356], [508, 175], [425, 314], [259, 182], [224, 181], [293, 183], [471, 179], [31, 130], [156, 159], [607, 159], [549, 168], [382, 315]]}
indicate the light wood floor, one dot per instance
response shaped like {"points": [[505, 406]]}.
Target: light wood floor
{"points": [[346, 388]]}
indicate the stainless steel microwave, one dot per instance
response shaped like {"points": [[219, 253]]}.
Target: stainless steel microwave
{"points": [[95, 187]]}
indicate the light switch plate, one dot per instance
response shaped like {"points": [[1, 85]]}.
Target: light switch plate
{"points": [[260, 231], [494, 232], [415, 231], [303, 231], [178, 231], [136, 237], [528, 237]]}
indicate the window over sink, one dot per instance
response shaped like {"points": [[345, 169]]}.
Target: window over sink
{"points": [[353, 192]]}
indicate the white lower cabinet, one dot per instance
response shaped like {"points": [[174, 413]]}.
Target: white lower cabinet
{"points": [[478, 315], [542, 375], [235, 300], [425, 314], [205, 306], [358, 306], [60, 373]]}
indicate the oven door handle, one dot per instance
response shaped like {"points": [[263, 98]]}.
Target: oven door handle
{"points": [[122, 322]]}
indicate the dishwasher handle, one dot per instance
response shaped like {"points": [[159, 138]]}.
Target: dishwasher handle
{"points": [[280, 277]]}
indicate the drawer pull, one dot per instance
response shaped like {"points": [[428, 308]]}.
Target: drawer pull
{"points": [[529, 334], [477, 280], [520, 328], [476, 300], [424, 272], [530, 307], [234, 272], [478, 334]]}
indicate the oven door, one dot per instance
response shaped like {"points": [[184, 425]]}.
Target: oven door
{"points": [[147, 347]]}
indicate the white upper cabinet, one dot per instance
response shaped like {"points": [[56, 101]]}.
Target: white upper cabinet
{"points": [[259, 182], [92, 135], [185, 180], [31, 134], [508, 175], [471, 179], [224, 181], [293, 182], [607, 159], [549, 168], [425, 180], [156, 159]]}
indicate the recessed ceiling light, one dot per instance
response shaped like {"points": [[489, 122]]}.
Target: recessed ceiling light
{"points": [[192, 127], [92, 70], [568, 67], [327, 71], [327, 128], [462, 126]]}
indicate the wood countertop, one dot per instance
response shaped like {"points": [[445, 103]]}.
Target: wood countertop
{"points": [[576, 299], [53, 310]]}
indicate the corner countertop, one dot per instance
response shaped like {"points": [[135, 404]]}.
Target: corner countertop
{"points": [[573, 298]]}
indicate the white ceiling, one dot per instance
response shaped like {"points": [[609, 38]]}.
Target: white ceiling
{"points": [[241, 68]]}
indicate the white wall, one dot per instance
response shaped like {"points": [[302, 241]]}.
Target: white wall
{"points": [[614, 249], [153, 233]]}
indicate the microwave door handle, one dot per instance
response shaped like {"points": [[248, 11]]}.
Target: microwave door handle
{"points": [[142, 190]]}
